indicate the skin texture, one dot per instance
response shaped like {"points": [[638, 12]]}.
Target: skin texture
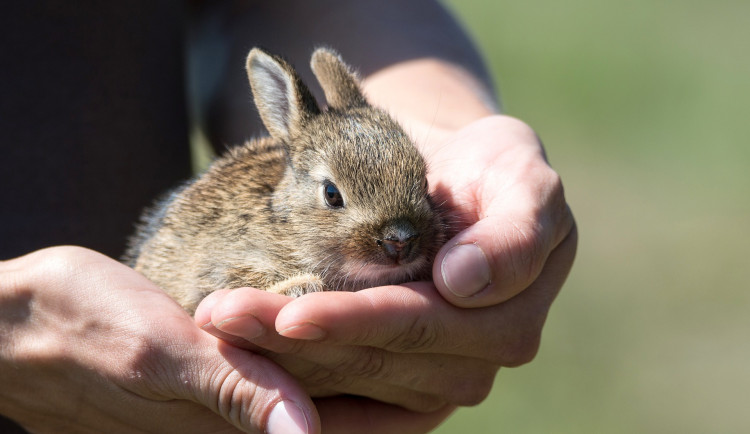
{"points": [[76, 325]]}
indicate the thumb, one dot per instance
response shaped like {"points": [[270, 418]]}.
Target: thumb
{"points": [[495, 259], [247, 390]]}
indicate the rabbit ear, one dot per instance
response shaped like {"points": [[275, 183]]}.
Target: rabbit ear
{"points": [[338, 81], [283, 101]]}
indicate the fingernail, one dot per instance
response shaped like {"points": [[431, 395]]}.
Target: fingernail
{"points": [[465, 270], [307, 331], [246, 326], [287, 417]]}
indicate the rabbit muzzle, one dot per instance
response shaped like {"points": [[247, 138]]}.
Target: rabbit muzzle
{"points": [[397, 241]]}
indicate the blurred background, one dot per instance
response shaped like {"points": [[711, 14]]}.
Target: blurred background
{"points": [[643, 107]]}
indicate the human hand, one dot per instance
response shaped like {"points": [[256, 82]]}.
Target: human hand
{"points": [[504, 201], [89, 345], [405, 344], [384, 401], [508, 207]]}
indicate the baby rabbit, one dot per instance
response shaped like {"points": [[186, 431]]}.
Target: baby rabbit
{"points": [[334, 199]]}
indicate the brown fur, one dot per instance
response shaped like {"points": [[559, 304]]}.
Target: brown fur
{"points": [[258, 216]]}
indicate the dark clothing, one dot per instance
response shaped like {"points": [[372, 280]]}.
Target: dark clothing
{"points": [[92, 121]]}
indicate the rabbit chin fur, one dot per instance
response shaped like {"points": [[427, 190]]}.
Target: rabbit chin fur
{"points": [[334, 199], [365, 275]]}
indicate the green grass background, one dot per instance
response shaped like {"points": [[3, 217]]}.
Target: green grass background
{"points": [[643, 107]]}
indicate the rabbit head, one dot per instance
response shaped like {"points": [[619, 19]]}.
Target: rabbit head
{"points": [[355, 193]]}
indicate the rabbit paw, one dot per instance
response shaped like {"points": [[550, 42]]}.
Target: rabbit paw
{"points": [[298, 285]]}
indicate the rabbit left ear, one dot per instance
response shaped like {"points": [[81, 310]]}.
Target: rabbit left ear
{"points": [[337, 79], [283, 101]]}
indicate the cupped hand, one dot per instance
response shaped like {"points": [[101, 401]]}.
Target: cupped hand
{"points": [[425, 347], [509, 209], [89, 345]]}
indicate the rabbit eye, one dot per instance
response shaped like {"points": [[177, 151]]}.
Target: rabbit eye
{"points": [[332, 196]]}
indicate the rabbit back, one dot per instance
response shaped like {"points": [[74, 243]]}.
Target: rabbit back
{"points": [[220, 230]]}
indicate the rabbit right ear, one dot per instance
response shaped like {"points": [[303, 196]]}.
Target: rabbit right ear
{"points": [[337, 79], [283, 101]]}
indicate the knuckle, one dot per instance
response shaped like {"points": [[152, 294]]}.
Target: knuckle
{"points": [[418, 336], [425, 403], [519, 127], [62, 258], [528, 254], [57, 261], [370, 363], [474, 393], [287, 346], [557, 205], [553, 182], [58, 265], [231, 391], [43, 350], [473, 387], [322, 377], [521, 350]]}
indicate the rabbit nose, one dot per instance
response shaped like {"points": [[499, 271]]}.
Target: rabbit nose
{"points": [[398, 239], [396, 249]]}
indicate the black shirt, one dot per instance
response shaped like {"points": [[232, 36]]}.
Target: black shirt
{"points": [[92, 121]]}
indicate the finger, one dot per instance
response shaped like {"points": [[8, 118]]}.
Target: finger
{"points": [[246, 312], [351, 414], [415, 319], [505, 251], [412, 318], [419, 382], [247, 390], [325, 368], [241, 316], [202, 319], [322, 381]]}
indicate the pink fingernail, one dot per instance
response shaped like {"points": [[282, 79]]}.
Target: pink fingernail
{"points": [[307, 331], [287, 417], [465, 270], [246, 326]]}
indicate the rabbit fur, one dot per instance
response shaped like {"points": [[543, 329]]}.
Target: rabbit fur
{"points": [[334, 199]]}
